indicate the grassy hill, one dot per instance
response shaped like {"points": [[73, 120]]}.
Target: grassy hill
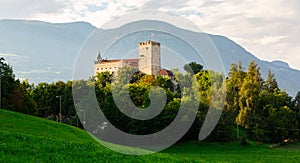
{"points": [[32, 139]]}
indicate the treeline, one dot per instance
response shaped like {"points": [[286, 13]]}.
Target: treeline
{"points": [[40, 100], [253, 104]]}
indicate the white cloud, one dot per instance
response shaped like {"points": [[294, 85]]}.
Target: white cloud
{"points": [[271, 39], [267, 28], [28, 8]]}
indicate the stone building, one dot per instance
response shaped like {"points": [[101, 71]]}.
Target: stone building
{"points": [[112, 66], [149, 61], [149, 57]]}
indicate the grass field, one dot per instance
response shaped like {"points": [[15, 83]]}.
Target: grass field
{"points": [[26, 138]]}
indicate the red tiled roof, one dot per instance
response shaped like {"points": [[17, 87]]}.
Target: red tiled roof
{"points": [[104, 61], [165, 72]]}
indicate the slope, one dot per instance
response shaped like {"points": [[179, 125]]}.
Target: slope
{"points": [[25, 138], [32, 139]]}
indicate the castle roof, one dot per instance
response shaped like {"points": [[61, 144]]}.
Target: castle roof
{"points": [[105, 61], [165, 72]]}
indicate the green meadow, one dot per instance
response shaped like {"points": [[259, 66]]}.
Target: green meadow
{"points": [[25, 138]]}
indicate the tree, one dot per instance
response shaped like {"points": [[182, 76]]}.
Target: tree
{"points": [[103, 78], [282, 123], [15, 96], [193, 67], [296, 107], [270, 84], [29, 105], [234, 85], [137, 76], [204, 82], [249, 114], [165, 82], [8, 84], [296, 102]]}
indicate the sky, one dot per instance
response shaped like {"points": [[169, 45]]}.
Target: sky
{"points": [[269, 29]]}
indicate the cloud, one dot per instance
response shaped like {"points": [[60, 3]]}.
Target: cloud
{"points": [[28, 8], [95, 8], [271, 39], [155, 4], [268, 29]]}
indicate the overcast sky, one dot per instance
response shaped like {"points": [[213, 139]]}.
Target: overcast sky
{"points": [[269, 29]]}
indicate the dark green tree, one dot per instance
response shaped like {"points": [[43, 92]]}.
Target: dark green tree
{"points": [[296, 108], [14, 94], [193, 67], [270, 84]]}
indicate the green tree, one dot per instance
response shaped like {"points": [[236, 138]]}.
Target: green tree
{"points": [[165, 82], [249, 114], [296, 107], [235, 81], [234, 84], [281, 124], [29, 105], [8, 85], [270, 84], [204, 82], [13, 93], [137, 76], [193, 67], [103, 78]]}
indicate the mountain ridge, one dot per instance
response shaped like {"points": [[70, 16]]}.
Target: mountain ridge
{"points": [[46, 52]]}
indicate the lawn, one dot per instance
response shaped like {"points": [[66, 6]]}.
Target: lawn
{"points": [[32, 139]]}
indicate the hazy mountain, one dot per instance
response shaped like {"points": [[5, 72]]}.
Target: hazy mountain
{"points": [[41, 51]]}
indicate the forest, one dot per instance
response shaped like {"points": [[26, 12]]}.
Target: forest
{"points": [[257, 106]]}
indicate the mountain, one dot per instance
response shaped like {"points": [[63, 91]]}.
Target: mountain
{"points": [[46, 52], [40, 51]]}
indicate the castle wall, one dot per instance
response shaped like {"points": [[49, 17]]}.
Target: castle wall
{"points": [[107, 66], [114, 65]]}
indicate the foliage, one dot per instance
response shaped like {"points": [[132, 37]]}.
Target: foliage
{"points": [[14, 95], [267, 113], [193, 68]]}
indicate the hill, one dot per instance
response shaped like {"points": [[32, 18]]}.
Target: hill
{"points": [[32, 139], [24, 138], [45, 52]]}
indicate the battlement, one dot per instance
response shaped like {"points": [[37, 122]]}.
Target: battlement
{"points": [[149, 42]]}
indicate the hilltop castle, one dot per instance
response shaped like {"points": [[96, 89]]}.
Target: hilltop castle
{"points": [[149, 61]]}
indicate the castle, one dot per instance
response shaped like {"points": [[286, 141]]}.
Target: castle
{"points": [[149, 61]]}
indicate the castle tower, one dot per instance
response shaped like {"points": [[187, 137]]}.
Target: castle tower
{"points": [[149, 57]]}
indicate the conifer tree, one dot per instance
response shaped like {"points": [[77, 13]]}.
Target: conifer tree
{"points": [[249, 114], [270, 84]]}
